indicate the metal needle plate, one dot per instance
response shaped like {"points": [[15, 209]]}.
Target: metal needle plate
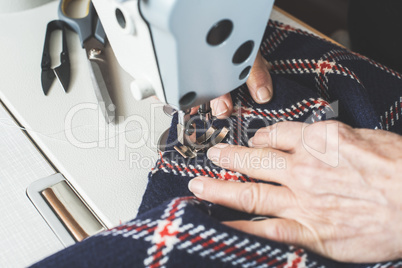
{"points": [[162, 142]]}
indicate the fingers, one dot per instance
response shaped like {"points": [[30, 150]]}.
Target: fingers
{"points": [[253, 198], [280, 230], [260, 82], [194, 110], [284, 136], [265, 164], [222, 107]]}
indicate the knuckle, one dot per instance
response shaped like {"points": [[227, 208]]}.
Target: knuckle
{"points": [[263, 136], [314, 131], [278, 232], [285, 124], [345, 134], [263, 132], [257, 154], [258, 77], [260, 158], [248, 198]]}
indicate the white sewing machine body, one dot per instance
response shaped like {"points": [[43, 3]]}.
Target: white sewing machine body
{"points": [[186, 52], [111, 187]]}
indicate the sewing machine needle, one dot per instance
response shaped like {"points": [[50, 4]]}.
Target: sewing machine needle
{"points": [[205, 116]]}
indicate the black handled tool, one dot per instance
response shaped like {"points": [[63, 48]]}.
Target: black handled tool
{"points": [[62, 72]]}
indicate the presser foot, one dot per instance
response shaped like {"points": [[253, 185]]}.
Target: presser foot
{"points": [[187, 144], [211, 138]]}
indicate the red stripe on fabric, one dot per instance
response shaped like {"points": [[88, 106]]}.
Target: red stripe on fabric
{"points": [[169, 165], [137, 228], [184, 237], [243, 178], [249, 257], [157, 255], [262, 259], [241, 252], [272, 262], [295, 262], [150, 230], [284, 66], [196, 239], [209, 242], [228, 250], [218, 247]]}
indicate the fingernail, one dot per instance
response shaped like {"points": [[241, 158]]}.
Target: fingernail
{"points": [[263, 94], [221, 108], [250, 142], [214, 153], [221, 145], [196, 186]]}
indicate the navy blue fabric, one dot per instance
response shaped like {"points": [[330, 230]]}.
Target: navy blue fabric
{"points": [[309, 74], [165, 186], [116, 251]]}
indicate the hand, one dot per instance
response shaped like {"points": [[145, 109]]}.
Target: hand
{"points": [[259, 84], [341, 193]]}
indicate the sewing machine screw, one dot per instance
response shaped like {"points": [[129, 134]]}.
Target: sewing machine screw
{"points": [[190, 130], [94, 52]]}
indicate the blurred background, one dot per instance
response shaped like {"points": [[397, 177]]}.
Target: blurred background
{"points": [[370, 27], [327, 16]]}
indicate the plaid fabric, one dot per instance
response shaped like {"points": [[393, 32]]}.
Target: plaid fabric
{"points": [[313, 80]]}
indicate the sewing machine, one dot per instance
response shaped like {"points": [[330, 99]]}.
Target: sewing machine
{"points": [[186, 52], [111, 177]]}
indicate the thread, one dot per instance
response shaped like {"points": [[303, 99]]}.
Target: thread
{"points": [[11, 124]]}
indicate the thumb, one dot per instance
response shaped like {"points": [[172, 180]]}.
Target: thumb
{"points": [[259, 81]]}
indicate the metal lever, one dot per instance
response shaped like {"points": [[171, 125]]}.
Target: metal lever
{"points": [[64, 211]]}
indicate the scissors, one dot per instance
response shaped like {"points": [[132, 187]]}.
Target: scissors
{"points": [[93, 38], [62, 72]]}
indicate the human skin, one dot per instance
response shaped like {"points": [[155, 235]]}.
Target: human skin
{"points": [[259, 84], [340, 193]]}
